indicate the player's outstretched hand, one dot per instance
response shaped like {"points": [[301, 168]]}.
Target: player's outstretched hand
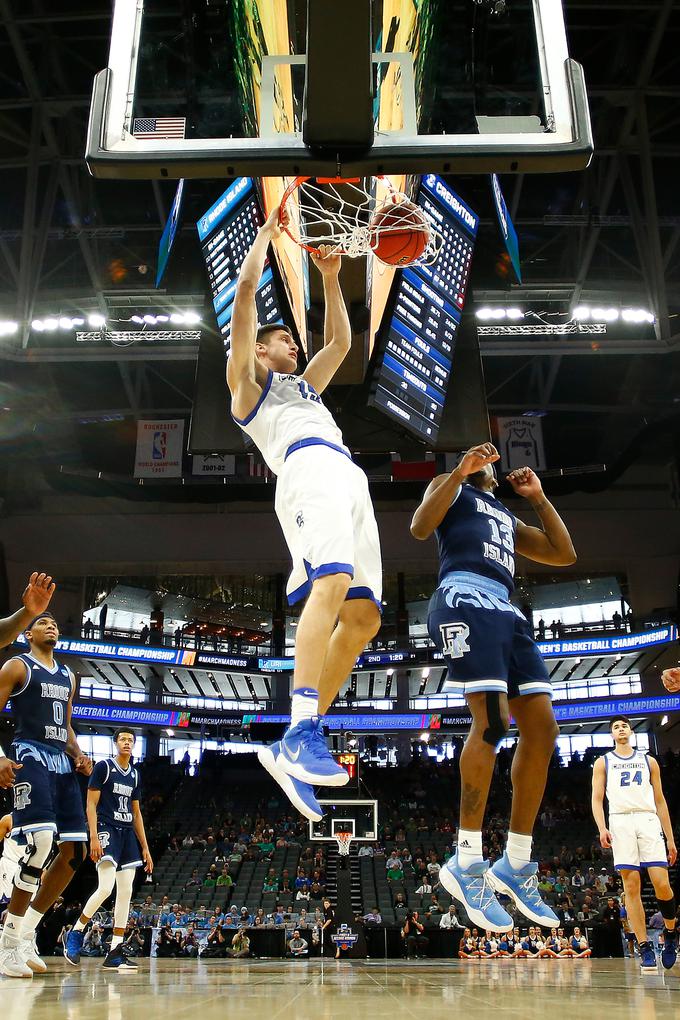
{"points": [[326, 261], [275, 222], [96, 850], [148, 862], [606, 839], [526, 483], [84, 765], [39, 591], [672, 854], [670, 678], [7, 770], [478, 457]]}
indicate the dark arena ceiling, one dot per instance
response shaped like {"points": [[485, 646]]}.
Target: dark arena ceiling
{"points": [[607, 236]]}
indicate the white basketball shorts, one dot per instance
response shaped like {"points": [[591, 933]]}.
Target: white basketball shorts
{"points": [[637, 841], [325, 511]]}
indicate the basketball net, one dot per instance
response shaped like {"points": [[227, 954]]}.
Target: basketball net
{"points": [[343, 840], [341, 212]]}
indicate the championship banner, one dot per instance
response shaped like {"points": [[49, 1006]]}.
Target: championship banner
{"points": [[520, 443], [214, 464], [159, 449]]}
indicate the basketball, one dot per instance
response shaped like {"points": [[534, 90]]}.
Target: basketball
{"points": [[399, 233]]}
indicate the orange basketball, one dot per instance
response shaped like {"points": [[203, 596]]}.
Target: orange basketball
{"points": [[399, 233]]}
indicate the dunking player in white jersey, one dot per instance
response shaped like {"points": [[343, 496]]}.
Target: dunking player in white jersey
{"points": [[638, 813], [323, 506]]}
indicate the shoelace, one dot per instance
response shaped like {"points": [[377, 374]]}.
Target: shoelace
{"points": [[479, 887], [315, 743], [530, 888]]}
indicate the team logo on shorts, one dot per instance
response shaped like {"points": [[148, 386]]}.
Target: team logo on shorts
{"points": [[299, 519], [454, 639], [104, 839], [22, 796]]}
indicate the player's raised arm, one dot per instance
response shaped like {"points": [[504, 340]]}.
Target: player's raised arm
{"points": [[552, 544], [443, 490], [241, 362], [337, 329], [36, 599]]}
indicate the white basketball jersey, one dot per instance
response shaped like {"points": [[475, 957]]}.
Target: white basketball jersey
{"points": [[289, 411], [629, 786]]}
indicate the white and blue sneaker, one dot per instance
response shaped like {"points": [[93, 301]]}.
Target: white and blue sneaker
{"points": [[522, 887], [647, 957], [669, 953], [301, 795], [471, 887], [73, 947], [304, 755]]}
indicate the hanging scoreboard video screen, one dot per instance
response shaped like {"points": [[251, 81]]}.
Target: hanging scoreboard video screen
{"points": [[226, 232], [419, 341]]}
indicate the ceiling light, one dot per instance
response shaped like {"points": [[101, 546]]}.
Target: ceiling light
{"points": [[38, 325], [424, 737], [192, 318], [610, 314], [137, 318], [514, 313], [150, 319], [65, 323], [484, 314], [51, 324], [177, 318], [8, 327], [497, 313], [581, 313], [96, 320], [162, 318]]}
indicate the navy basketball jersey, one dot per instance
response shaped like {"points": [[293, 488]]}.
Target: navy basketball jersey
{"points": [[39, 706], [477, 536], [119, 787]]}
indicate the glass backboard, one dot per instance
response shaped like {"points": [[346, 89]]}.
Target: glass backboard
{"points": [[216, 88], [360, 817]]}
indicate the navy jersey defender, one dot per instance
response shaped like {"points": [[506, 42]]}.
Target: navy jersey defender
{"points": [[118, 846], [118, 788], [47, 798], [491, 656]]}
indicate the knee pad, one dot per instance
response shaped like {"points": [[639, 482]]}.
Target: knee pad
{"points": [[33, 860], [77, 855], [667, 908], [498, 727]]}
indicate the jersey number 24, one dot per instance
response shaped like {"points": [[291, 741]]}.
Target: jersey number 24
{"points": [[625, 778]]}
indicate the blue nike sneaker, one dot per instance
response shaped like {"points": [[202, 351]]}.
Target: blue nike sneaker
{"points": [[669, 953], [471, 887], [304, 755], [73, 946], [301, 795], [647, 957], [522, 887]]}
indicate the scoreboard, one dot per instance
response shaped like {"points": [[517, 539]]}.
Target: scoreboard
{"points": [[349, 760], [226, 232], [418, 344]]}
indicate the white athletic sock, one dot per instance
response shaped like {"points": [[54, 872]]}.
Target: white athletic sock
{"points": [[11, 933], [32, 919], [115, 942], [518, 850], [469, 847], [79, 925], [304, 704]]}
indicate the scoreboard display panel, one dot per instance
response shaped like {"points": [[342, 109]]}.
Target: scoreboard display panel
{"points": [[418, 343], [349, 760], [226, 232]]}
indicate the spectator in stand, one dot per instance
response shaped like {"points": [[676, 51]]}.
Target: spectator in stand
{"points": [[393, 861], [271, 882], [245, 918], [577, 880], [449, 919], [315, 891], [433, 867], [365, 850], [413, 933], [240, 945], [611, 926], [395, 873], [285, 890], [467, 947], [297, 947], [424, 889], [301, 878], [188, 841], [433, 906], [400, 901], [194, 880], [601, 883], [166, 947], [303, 894], [224, 879]]}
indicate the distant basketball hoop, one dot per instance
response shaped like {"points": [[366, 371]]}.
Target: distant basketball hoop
{"points": [[344, 840]]}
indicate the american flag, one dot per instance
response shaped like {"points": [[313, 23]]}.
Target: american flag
{"points": [[159, 127]]}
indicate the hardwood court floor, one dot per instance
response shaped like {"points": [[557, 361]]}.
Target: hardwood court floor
{"points": [[316, 990]]}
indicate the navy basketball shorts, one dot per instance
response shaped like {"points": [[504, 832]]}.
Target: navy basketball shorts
{"points": [[486, 642], [120, 846], [46, 794]]}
